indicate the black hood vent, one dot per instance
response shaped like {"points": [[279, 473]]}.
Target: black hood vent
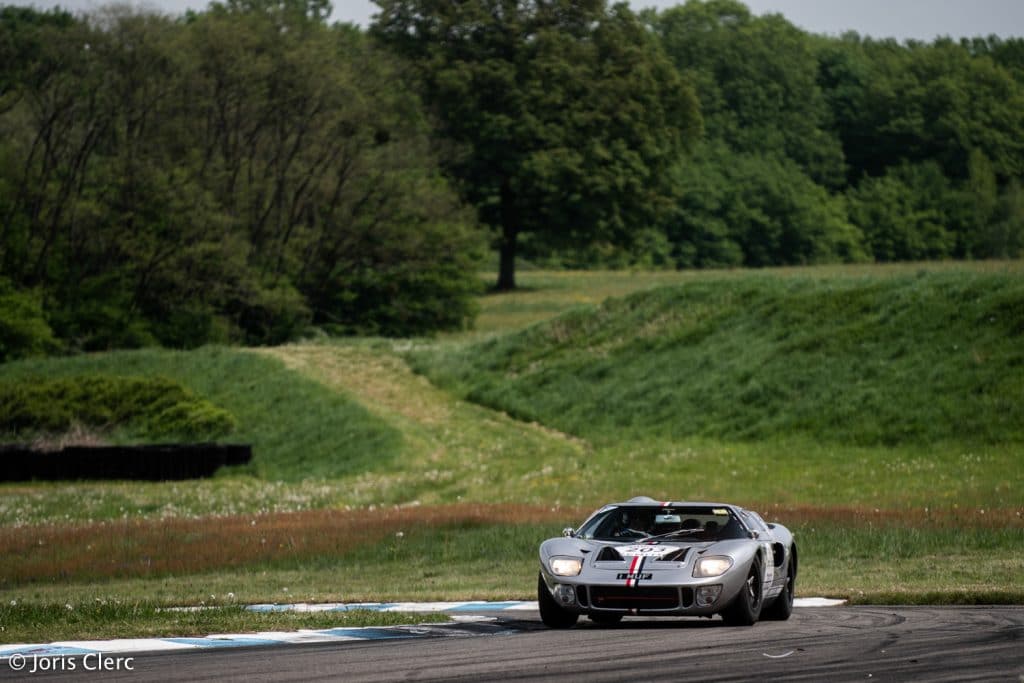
{"points": [[677, 556], [609, 554]]}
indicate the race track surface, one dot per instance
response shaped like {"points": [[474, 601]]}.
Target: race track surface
{"points": [[816, 644]]}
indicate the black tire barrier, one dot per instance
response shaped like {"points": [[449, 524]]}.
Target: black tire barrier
{"points": [[162, 462]]}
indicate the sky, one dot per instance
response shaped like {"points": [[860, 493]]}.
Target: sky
{"points": [[901, 19]]}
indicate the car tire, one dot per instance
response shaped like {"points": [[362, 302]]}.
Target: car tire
{"points": [[605, 619], [746, 608], [551, 613], [782, 607]]}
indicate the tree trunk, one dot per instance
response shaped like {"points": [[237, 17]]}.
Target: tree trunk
{"points": [[507, 248], [507, 263]]}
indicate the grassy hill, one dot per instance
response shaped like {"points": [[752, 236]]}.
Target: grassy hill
{"points": [[879, 387], [907, 360]]}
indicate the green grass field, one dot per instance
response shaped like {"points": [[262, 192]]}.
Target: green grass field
{"points": [[874, 410]]}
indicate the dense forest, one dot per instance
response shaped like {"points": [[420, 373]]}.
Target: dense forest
{"points": [[253, 172]]}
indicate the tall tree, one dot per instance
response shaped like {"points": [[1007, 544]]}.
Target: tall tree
{"points": [[904, 214], [921, 102], [565, 114], [756, 210], [235, 176], [323, 159], [757, 81]]}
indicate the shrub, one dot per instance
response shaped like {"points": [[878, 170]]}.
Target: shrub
{"points": [[148, 407], [23, 328]]}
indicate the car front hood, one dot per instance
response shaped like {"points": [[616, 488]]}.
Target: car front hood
{"points": [[576, 547]]}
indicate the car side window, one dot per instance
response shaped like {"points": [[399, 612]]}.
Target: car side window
{"points": [[732, 529], [754, 521], [760, 520]]}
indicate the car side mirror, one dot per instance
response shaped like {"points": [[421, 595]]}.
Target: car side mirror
{"points": [[755, 535], [771, 525], [568, 531]]}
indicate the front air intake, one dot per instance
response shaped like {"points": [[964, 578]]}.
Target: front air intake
{"points": [[640, 598]]}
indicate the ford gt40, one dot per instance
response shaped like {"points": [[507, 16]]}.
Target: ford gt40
{"points": [[665, 558]]}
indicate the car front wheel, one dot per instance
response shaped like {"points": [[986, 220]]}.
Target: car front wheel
{"points": [[551, 613], [746, 608]]}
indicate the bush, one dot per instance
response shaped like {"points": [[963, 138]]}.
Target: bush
{"points": [[904, 214], [23, 328], [757, 210], [149, 407]]}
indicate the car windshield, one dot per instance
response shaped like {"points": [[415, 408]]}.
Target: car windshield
{"points": [[633, 522]]}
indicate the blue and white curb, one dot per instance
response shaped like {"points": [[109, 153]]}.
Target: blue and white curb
{"points": [[465, 623], [330, 635]]}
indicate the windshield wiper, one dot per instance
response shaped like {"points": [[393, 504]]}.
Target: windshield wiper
{"points": [[677, 532]]}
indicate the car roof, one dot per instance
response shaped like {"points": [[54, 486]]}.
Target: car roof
{"points": [[645, 501]]}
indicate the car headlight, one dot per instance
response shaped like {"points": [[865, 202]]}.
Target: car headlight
{"points": [[707, 567], [565, 566]]}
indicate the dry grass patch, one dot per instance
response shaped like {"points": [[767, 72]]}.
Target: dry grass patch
{"points": [[142, 548], [156, 547], [381, 382], [952, 517]]}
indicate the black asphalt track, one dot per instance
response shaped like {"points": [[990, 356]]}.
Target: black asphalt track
{"points": [[816, 644]]}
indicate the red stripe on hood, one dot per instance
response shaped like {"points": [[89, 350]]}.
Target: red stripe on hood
{"points": [[634, 566]]}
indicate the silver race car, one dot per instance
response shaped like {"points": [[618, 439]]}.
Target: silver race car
{"points": [[653, 558]]}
